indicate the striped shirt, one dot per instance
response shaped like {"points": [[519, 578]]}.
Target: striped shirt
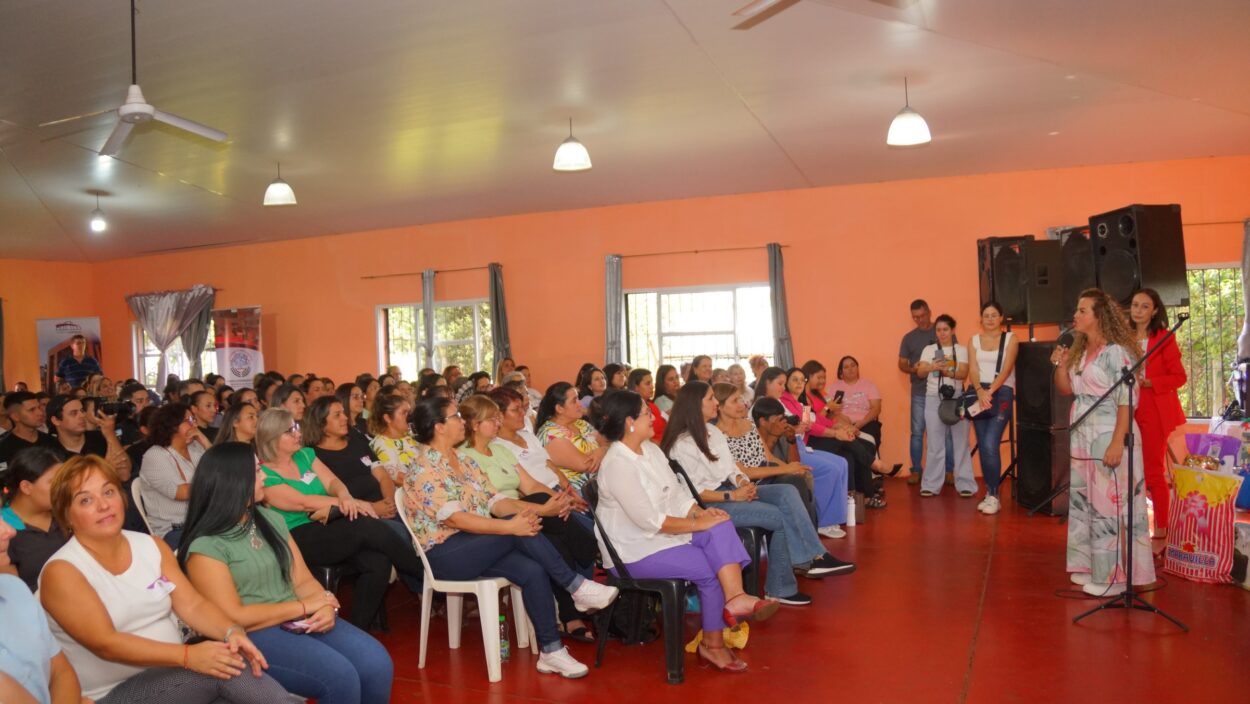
{"points": [[163, 471]]}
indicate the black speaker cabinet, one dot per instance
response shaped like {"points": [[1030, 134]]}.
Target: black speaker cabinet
{"points": [[1000, 262], [1038, 403], [1140, 246], [1043, 281], [1042, 465], [1078, 267]]}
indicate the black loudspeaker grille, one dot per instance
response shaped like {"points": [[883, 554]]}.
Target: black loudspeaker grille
{"points": [[1043, 465], [1043, 281], [1140, 246], [1001, 267], [1078, 267], [1037, 401]]}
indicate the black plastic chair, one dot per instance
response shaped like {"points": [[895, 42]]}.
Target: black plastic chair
{"points": [[672, 594], [753, 538], [331, 576]]}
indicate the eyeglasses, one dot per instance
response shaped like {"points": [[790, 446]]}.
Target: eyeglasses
{"points": [[294, 429], [189, 420]]}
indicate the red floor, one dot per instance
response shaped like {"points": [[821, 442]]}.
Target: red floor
{"points": [[947, 606]]}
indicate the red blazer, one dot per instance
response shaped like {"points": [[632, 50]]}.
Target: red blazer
{"points": [[1166, 375]]}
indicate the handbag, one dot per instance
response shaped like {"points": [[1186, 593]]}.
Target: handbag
{"points": [[950, 405], [970, 395]]}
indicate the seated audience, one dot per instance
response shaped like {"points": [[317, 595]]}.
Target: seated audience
{"points": [[699, 369], [738, 377], [289, 396], [758, 364], [452, 372], [641, 383], [667, 384], [28, 509], [392, 442], [506, 366], [330, 526], [405, 389], [860, 406], [574, 542], [314, 388], [428, 384], [371, 387], [265, 389], [353, 400], [28, 416], [33, 669], [703, 452], [571, 442], [590, 385], [616, 376], [719, 376], [238, 424], [659, 531], [69, 422], [136, 394], [203, 406], [245, 396], [242, 558], [535, 396], [114, 599], [347, 455], [225, 397], [459, 523], [168, 466], [480, 382]]}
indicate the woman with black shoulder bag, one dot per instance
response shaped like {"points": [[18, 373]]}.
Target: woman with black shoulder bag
{"points": [[945, 363], [992, 377]]}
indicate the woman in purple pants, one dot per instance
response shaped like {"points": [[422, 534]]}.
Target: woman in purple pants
{"points": [[659, 530]]}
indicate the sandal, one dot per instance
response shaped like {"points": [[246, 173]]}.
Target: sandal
{"points": [[735, 666], [761, 610], [581, 634], [875, 502], [893, 471]]}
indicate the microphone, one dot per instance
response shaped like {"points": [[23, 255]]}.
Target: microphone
{"points": [[1065, 336], [1182, 316]]}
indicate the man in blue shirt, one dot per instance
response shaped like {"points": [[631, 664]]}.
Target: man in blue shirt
{"points": [[75, 369], [32, 666]]}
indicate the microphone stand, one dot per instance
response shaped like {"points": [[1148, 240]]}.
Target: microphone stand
{"points": [[1128, 377]]}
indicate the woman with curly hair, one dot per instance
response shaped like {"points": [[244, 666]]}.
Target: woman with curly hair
{"points": [[1103, 346]]}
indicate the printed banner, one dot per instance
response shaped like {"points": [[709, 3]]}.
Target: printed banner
{"points": [[237, 339], [53, 337]]}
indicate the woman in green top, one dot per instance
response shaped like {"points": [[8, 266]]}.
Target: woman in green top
{"points": [[330, 526], [574, 543], [241, 557]]}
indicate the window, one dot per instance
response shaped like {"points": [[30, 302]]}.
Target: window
{"points": [[1208, 341], [148, 358], [461, 337], [673, 326]]}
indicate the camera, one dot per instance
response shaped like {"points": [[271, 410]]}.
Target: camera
{"points": [[946, 392], [121, 409], [792, 420]]}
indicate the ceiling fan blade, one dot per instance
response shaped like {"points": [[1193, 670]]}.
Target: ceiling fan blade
{"points": [[76, 117], [114, 143], [760, 10], [191, 126]]}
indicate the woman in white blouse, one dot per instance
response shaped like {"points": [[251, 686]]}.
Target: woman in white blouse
{"points": [[659, 530], [945, 363], [167, 468]]}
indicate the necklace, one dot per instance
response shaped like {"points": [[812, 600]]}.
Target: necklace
{"points": [[254, 539]]}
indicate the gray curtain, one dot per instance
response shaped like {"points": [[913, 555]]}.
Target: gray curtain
{"points": [[165, 314], [195, 337], [783, 348], [499, 338], [614, 310], [427, 312]]}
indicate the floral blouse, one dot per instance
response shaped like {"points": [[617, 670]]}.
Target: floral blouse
{"points": [[399, 457], [436, 491], [581, 434]]}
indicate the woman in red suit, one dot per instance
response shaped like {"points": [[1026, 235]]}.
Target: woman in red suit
{"points": [[1159, 409]]}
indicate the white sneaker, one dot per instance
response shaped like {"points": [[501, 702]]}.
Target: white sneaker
{"points": [[592, 596], [561, 663], [832, 532], [984, 502], [990, 505], [1097, 589], [1081, 578]]}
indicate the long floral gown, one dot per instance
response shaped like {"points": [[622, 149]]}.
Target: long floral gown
{"points": [[1097, 511]]}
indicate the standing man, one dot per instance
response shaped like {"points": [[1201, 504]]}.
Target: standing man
{"points": [[75, 369], [913, 344]]}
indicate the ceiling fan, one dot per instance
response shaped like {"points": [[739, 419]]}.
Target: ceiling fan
{"points": [[757, 11], [136, 110]]}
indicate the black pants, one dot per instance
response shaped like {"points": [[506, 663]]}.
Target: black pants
{"points": [[859, 456], [576, 545], [365, 545], [873, 428]]}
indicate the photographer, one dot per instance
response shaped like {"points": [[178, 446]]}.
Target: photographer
{"points": [[137, 395], [68, 420], [945, 365]]}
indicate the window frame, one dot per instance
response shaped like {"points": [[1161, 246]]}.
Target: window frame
{"points": [[660, 334], [139, 357], [383, 354], [1181, 393]]}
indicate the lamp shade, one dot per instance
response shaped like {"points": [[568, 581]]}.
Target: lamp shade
{"points": [[279, 193], [98, 223], [571, 155], [908, 129]]}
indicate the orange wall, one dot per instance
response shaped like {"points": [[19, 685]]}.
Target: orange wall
{"points": [[32, 290], [856, 256]]}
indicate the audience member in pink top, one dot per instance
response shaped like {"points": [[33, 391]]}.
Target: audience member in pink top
{"points": [[860, 399]]}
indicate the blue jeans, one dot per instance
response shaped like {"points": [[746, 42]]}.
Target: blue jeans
{"points": [[989, 428], [344, 666], [829, 479], [794, 541], [916, 447], [530, 563]]}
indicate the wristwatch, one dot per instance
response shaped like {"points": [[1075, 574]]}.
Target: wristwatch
{"points": [[728, 496]]}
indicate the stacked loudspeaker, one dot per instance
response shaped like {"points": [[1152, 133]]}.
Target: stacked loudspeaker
{"points": [[1040, 282]]}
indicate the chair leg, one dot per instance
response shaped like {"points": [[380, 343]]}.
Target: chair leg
{"points": [[455, 610], [674, 607], [603, 623], [523, 632], [488, 611], [427, 601]]}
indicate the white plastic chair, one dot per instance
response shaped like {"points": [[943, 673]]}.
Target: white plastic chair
{"points": [[487, 592], [137, 497]]}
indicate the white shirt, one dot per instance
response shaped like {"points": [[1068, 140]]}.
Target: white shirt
{"points": [[137, 602], [929, 354], [533, 458], [636, 493], [706, 474], [987, 361]]}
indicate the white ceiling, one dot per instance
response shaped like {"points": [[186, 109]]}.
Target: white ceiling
{"points": [[394, 112]]}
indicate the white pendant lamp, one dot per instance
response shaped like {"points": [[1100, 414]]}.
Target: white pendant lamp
{"points": [[279, 192], [98, 223], [571, 155], [908, 129]]}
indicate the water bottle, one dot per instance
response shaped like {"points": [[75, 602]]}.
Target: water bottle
{"points": [[850, 510], [505, 648]]}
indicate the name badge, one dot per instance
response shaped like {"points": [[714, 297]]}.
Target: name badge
{"points": [[308, 477], [161, 586], [366, 461]]}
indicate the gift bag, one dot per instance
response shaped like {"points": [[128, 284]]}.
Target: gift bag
{"points": [[1200, 531]]}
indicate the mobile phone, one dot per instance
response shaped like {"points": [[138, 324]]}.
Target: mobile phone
{"points": [[837, 397], [300, 626]]}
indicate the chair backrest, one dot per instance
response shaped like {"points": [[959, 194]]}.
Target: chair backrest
{"points": [[137, 496], [399, 507], [590, 492], [677, 469]]}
